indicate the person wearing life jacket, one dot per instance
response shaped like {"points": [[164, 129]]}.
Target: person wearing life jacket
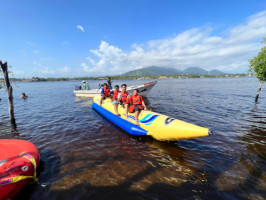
{"points": [[115, 94], [136, 105], [105, 93], [123, 98]]}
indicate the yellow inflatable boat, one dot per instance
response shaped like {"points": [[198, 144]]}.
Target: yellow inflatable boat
{"points": [[160, 127]]}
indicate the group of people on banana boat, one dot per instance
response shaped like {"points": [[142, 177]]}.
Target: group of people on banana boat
{"points": [[131, 104]]}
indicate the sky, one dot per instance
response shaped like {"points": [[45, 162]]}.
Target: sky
{"points": [[88, 38]]}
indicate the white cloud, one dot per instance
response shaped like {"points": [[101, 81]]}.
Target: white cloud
{"points": [[85, 67], [24, 53], [19, 73], [80, 28], [47, 72], [66, 69], [40, 71], [46, 58], [61, 72], [37, 63], [29, 43], [196, 47], [36, 52], [65, 43]]}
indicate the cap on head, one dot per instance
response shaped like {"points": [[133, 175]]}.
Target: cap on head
{"points": [[83, 81]]}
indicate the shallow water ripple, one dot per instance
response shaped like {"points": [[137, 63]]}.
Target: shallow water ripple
{"points": [[84, 156]]}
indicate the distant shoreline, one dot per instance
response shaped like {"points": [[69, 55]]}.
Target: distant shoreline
{"points": [[37, 79]]}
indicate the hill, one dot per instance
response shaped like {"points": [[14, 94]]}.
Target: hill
{"points": [[195, 70], [157, 71], [216, 72], [152, 71]]}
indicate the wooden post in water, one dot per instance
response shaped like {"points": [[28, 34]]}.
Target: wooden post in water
{"points": [[9, 92], [258, 93]]}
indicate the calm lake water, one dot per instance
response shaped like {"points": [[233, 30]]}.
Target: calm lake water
{"points": [[84, 156]]}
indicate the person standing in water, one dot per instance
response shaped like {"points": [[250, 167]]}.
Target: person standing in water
{"points": [[109, 83], [24, 96]]}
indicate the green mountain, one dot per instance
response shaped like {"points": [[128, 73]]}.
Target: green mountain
{"points": [[215, 72], [157, 71], [152, 71], [195, 70]]}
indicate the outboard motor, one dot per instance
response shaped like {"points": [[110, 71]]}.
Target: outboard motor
{"points": [[77, 87]]}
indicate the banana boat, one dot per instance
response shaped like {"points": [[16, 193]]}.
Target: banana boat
{"points": [[160, 127]]}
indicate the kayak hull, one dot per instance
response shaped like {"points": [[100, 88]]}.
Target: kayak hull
{"points": [[160, 127]]}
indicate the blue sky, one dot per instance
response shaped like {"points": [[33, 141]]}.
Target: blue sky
{"points": [[64, 38]]}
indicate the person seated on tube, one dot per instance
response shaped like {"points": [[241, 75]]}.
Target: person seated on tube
{"points": [[114, 95], [105, 93], [136, 105], [123, 98]]}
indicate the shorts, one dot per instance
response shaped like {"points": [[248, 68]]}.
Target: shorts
{"points": [[115, 102], [123, 105], [104, 97], [136, 108]]}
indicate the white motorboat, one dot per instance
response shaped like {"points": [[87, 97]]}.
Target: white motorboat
{"points": [[144, 90]]}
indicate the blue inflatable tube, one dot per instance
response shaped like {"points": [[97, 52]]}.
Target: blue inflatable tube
{"points": [[127, 126]]}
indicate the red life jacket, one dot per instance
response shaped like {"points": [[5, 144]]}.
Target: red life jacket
{"points": [[115, 95], [106, 91], [135, 101], [124, 97]]}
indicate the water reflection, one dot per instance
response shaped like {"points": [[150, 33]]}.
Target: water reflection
{"points": [[255, 160], [248, 171], [125, 171]]}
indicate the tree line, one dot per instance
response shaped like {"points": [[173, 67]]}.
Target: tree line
{"points": [[33, 79]]}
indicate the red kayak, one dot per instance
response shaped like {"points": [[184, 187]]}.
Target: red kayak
{"points": [[18, 162]]}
